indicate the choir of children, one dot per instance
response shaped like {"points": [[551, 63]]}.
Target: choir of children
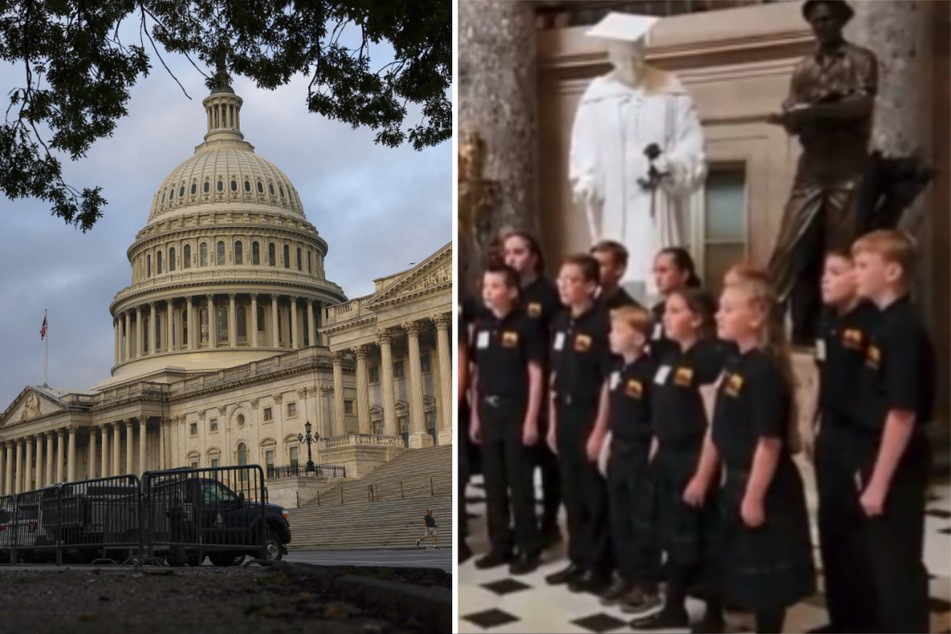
{"points": [[701, 491]]}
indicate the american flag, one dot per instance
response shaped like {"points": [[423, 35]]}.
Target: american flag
{"points": [[43, 329]]}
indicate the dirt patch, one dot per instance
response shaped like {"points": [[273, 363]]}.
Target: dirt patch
{"points": [[207, 599]]}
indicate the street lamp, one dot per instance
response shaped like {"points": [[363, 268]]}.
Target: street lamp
{"points": [[309, 439]]}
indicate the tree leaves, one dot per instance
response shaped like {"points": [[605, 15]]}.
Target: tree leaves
{"points": [[78, 75]]}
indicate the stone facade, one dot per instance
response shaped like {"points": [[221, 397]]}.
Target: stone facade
{"points": [[221, 343]]}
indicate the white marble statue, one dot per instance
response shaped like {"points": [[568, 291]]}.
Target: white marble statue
{"points": [[620, 115]]}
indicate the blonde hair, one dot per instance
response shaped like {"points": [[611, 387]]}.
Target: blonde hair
{"points": [[893, 246], [775, 342], [634, 316], [745, 270]]}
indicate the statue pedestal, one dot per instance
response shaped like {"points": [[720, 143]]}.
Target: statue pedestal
{"points": [[445, 436], [420, 440]]}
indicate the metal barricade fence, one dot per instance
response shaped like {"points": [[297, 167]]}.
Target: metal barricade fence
{"points": [[217, 511], [31, 541], [97, 518], [7, 527]]}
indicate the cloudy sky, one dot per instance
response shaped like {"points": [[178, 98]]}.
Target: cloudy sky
{"points": [[379, 209]]}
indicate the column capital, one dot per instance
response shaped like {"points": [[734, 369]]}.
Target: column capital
{"points": [[72, 428], [210, 297], [326, 389], [254, 296], [222, 409], [278, 398], [384, 337], [254, 403], [361, 351], [231, 296], [61, 432], [441, 321], [302, 392], [337, 356], [412, 328]]}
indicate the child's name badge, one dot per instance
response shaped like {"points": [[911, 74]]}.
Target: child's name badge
{"points": [[482, 340], [662, 372], [615, 380], [658, 332], [559, 341], [820, 349]]}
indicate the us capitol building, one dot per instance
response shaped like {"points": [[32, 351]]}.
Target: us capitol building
{"points": [[230, 338]]}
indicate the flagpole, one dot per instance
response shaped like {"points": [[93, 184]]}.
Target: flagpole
{"points": [[46, 337]]}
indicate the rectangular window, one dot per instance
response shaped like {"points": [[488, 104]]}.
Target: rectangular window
{"points": [[213, 425], [214, 462], [193, 429], [348, 407], [724, 222], [430, 420], [403, 424], [291, 410], [269, 458], [424, 363], [293, 456], [374, 374], [193, 464], [267, 414], [398, 370]]}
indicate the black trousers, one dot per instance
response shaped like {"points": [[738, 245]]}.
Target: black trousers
{"points": [[584, 490], [630, 494], [895, 541], [547, 463], [507, 466], [846, 565], [462, 458]]}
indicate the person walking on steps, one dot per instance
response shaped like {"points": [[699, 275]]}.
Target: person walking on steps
{"points": [[430, 525]]}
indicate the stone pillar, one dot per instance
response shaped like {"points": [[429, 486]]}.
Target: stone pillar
{"points": [[93, 441], [311, 330], [444, 418], [274, 340], [129, 449], [386, 383], [142, 436], [139, 333], [50, 459], [295, 344], [498, 98], [254, 320], [232, 321], [169, 326], [363, 391], [161, 428], [189, 319], [3, 481], [128, 336], [153, 337], [116, 448], [28, 465], [117, 339], [418, 435], [106, 466], [60, 450], [339, 424], [9, 482], [71, 455], [19, 467], [212, 323], [40, 470]]}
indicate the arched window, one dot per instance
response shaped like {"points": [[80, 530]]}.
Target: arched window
{"points": [[181, 191], [187, 256], [194, 189], [281, 187], [171, 194], [148, 265], [205, 187], [260, 187], [222, 324], [287, 257], [247, 186], [242, 324], [255, 253], [234, 185], [158, 263], [270, 187], [238, 253], [203, 254], [221, 253], [171, 259], [221, 185], [298, 259], [271, 255]]}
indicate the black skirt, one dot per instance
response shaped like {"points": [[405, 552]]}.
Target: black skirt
{"points": [[771, 566], [686, 534]]}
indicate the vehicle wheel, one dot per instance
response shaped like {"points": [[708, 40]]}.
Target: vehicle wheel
{"points": [[273, 550], [226, 559], [195, 560]]}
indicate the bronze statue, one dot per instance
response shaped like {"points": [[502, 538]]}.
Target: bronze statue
{"points": [[830, 106]]}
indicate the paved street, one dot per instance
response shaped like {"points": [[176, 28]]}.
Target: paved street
{"points": [[423, 558]]}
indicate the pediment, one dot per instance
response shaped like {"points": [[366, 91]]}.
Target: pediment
{"points": [[32, 403], [434, 273]]}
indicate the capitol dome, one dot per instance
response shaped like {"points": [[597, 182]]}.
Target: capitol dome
{"points": [[227, 269]]}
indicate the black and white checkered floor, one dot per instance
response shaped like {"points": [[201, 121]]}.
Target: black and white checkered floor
{"points": [[493, 600]]}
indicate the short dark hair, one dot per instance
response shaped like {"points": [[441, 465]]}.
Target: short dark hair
{"points": [[616, 250], [507, 272], [589, 267], [839, 7]]}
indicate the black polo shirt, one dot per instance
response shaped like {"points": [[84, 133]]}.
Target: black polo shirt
{"points": [[630, 411], [541, 303], [677, 413], [899, 370], [840, 357], [660, 345], [581, 355], [753, 402], [470, 308], [502, 348], [616, 300]]}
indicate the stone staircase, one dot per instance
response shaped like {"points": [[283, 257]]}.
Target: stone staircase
{"points": [[389, 520]]}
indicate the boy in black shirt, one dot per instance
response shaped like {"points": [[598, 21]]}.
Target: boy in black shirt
{"points": [[897, 388], [844, 332], [612, 260], [508, 394], [629, 484], [581, 364]]}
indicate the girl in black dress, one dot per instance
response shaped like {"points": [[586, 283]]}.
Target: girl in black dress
{"points": [[766, 554], [682, 396]]}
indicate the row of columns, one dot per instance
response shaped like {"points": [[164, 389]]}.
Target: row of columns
{"points": [[57, 462], [417, 423], [131, 337]]}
